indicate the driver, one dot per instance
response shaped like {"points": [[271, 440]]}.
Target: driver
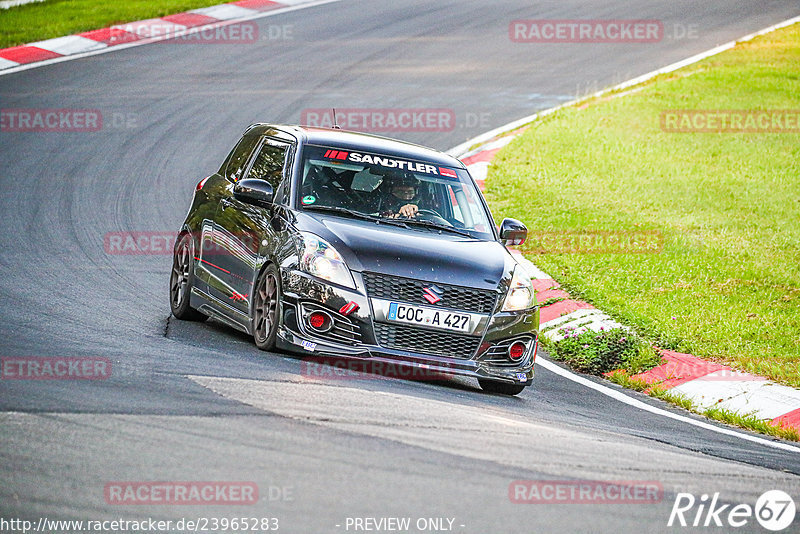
{"points": [[401, 198]]}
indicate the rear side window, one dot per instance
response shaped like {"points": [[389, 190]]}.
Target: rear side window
{"points": [[240, 155]]}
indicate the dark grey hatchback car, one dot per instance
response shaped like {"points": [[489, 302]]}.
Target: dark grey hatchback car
{"points": [[334, 243]]}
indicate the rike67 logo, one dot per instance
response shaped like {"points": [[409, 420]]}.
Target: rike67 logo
{"points": [[774, 510]]}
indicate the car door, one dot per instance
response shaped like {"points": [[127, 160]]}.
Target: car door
{"points": [[240, 228], [215, 188]]}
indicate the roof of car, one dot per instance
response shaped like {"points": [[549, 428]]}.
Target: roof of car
{"points": [[359, 141]]}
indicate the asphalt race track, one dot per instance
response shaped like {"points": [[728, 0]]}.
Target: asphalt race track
{"points": [[200, 402]]}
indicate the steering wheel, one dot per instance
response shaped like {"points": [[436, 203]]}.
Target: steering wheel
{"points": [[432, 216]]}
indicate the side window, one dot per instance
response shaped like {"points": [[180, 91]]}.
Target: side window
{"points": [[269, 162], [240, 155]]}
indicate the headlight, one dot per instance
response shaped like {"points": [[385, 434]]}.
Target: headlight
{"points": [[520, 292], [320, 259]]}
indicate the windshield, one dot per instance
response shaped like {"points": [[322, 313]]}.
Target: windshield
{"points": [[422, 195]]}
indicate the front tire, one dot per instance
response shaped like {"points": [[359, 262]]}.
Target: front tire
{"points": [[266, 305], [181, 280], [503, 388]]}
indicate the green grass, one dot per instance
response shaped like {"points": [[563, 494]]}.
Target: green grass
{"points": [[625, 380], [751, 422], [726, 285], [55, 18]]}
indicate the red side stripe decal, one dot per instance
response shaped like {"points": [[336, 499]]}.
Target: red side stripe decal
{"points": [[211, 264]]}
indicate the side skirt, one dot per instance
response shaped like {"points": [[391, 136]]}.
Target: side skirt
{"points": [[214, 307]]}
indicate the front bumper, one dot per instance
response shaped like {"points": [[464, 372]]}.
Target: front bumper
{"points": [[303, 293]]}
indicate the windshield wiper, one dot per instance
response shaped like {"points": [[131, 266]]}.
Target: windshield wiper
{"points": [[357, 215], [435, 226], [403, 223]]}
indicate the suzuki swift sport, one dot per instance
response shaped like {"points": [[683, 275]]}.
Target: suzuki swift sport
{"points": [[336, 243]]}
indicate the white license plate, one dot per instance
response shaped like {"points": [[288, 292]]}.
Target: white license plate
{"points": [[446, 320]]}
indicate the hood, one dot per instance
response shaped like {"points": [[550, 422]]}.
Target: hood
{"points": [[421, 253]]}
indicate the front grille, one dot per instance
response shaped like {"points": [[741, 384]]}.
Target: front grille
{"points": [[426, 341], [498, 354], [343, 330], [409, 290]]}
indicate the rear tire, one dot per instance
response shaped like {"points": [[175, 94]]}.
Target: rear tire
{"points": [[503, 388], [266, 307], [181, 280]]}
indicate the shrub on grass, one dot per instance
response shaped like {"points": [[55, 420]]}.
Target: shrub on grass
{"points": [[601, 352]]}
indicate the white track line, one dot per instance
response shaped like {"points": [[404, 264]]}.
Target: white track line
{"points": [[461, 149], [624, 398], [196, 29]]}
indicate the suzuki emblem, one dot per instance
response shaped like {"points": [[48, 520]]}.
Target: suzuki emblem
{"points": [[432, 294]]}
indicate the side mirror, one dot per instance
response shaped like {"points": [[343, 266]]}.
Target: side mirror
{"points": [[512, 232], [253, 191]]}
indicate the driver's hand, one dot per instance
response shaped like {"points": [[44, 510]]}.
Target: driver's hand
{"points": [[409, 210]]}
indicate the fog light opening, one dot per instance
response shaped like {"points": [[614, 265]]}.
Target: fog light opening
{"points": [[320, 321], [516, 351]]}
